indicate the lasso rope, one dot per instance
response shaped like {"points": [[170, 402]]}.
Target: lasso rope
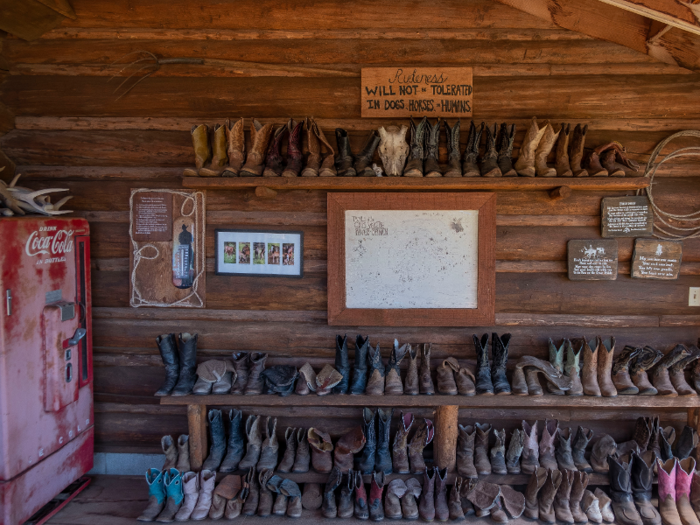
{"points": [[136, 297], [689, 222]]}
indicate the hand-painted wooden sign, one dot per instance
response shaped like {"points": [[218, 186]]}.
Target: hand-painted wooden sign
{"points": [[431, 91], [626, 217], [654, 259], [593, 260]]}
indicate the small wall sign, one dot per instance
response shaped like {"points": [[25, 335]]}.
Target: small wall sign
{"points": [[592, 260], [626, 217], [153, 217], [654, 259], [406, 91]]}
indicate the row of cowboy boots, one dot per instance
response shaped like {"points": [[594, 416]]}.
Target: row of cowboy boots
{"points": [[180, 360], [177, 454], [561, 495], [269, 494]]}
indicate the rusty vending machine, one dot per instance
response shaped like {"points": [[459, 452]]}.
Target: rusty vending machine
{"points": [[46, 406]]}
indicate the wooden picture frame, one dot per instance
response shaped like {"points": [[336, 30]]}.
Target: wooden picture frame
{"points": [[484, 313]]}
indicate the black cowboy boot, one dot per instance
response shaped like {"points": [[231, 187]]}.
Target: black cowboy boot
{"points": [[469, 165], [414, 166], [432, 139], [187, 348], [393, 384], [505, 150], [382, 462], [365, 463], [344, 158], [329, 507], [489, 162], [642, 478], [621, 493], [359, 373], [454, 165], [218, 441], [687, 442], [499, 355], [342, 364], [235, 444], [483, 370], [363, 162], [171, 361]]}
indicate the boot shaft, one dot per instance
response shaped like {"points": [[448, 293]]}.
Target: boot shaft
{"points": [[505, 150], [489, 164], [359, 373], [620, 371], [235, 143], [525, 165], [606, 350], [365, 463], [411, 384], [572, 368], [515, 451], [483, 369], [590, 368], [200, 142], [399, 449], [218, 146], [255, 383], [578, 453], [425, 377], [576, 146], [562, 163]]}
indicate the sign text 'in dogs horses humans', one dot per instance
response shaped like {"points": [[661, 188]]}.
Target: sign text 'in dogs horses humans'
{"points": [[402, 92]]}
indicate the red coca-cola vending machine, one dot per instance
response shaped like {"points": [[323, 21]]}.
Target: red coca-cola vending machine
{"points": [[46, 408]]}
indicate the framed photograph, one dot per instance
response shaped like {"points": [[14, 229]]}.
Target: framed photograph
{"points": [[411, 259], [253, 252]]}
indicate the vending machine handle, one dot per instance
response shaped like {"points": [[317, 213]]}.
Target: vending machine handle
{"points": [[77, 336]]}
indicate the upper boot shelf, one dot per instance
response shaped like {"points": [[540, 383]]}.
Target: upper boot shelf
{"points": [[481, 401]]}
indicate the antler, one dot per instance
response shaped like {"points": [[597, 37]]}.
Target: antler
{"points": [[20, 200]]}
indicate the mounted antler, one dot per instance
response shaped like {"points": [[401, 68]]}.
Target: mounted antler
{"points": [[18, 200]]}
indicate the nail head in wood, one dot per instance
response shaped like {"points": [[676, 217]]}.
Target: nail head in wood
{"points": [[562, 192], [265, 193]]}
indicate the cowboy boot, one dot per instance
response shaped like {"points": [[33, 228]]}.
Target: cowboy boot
{"points": [[535, 483], [578, 452], [273, 156], [547, 494], [318, 165], [505, 150], [359, 372], [416, 156], [361, 500], [363, 161], [469, 166], [329, 508], [294, 156], [187, 354], [468, 486], [409, 502], [411, 385], [695, 493], [621, 493], [393, 384], [605, 505], [260, 139], [454, 166], [375, 383], [530, 462], [342, 364], [556, 357], [591, 507], [425, 379], [254, 442], [572, 369], [321, 448], [234, 444], [280, 379], [207, 480], [654, 441], [312, 498], [290, 439], [562, 503], [481, 449], [642, 433], [498, 453], [327, 379], [399, 451], [564, 453], [485, 497], [265, 497], [270, 446], [489, 164], [183, 453], [465, 451], [291, 492], [677, 376], [668, 507], [202, 152], [344, 159], [484, 385], [525, 165], [562, 163], [218, 441], [171, 361], [442, 511], [684, 477], [605, 360], [156, 494], [659, 374], [578, 141], [190, 491], [595, 168], [549, 434], [604, 448], [234, 507], [172, 481], [578, 488], [432, 159], [590, 367], [642, 476], [696, 371], [170, 451], [499, 356], [525, 379], [620, 371], [241, 365], [376, 509], [382, 461], [512, 501], [255, 383], [464, 378], [302, 458], [421, 439], [307, 380], [607, 160], [235, 147], [446, 384], [686, 443], [365, 463], [346, 505], [426, 507], [219, 157], [392, 501], [515, 450], [454, 503], [349, 444], [647, 358]]}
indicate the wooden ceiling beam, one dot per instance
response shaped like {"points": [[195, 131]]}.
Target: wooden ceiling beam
{"points": [[671, 12]]}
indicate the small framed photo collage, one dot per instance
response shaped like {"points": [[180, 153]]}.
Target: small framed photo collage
{"points": [[255, 252]]}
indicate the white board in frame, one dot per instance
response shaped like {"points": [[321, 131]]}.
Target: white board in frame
{"points": [[266, 253]]}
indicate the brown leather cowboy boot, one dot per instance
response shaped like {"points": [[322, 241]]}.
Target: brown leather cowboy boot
{"points": [[577, 489], [590, 367], [525, 165], [260, 138], [638, 370], [578, 141], [534, 485], [481, 449], [318, 164], [562, 163], [489, 161], [515, 450], [321, 448], [235, 140], [411, 384], [426, 507], [543, 149], [677, 376], [659, 374], [578, 450], [562, 504], [549, 434], [595, 168], [442, 511], [505, 150], [294, 156], [454, 503], [399, 451], [425, 378], [393, 384], [273, 157], [465, 451], [547, 494], [454, 166], [564, 450], [219, 156], [421, 439], [620, 371], [530, 461], [202, 152], [605, 360], [446, 384], [350, 443], [469, 166], [498, 453], [344, 159], [302, 458], [602, 450]]}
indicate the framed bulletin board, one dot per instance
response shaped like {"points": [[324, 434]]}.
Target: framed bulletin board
{"points": [[416, 259]]}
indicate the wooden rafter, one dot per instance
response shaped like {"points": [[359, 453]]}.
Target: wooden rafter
{"points": [[670, 12]]}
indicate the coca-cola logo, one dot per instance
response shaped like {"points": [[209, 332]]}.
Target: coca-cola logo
{"points": [[58, 243]]}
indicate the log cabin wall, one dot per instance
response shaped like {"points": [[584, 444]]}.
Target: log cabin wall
{"points": [[304, 58]]}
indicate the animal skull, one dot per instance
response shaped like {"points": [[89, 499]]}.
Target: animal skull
{"points": [[393, 149]]}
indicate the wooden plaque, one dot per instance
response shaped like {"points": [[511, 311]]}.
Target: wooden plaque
{"points": [[592, 260], [626, 217], [654, 259], [411, 259], [405, 91]]}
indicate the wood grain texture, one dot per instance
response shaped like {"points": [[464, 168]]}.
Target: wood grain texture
{"points": [[445, 441]]}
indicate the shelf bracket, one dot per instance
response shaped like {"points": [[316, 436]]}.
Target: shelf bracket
{"points": [[264, 192], [562, 192]]}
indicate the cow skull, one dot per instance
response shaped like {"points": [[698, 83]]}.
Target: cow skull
{"points": [[393, 149]]}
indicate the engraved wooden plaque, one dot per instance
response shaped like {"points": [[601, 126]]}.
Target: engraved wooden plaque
{"points": [[654, 259], [405, 91], [592, 260], [626, 217]]}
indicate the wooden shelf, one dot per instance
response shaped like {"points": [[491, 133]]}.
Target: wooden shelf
{"points": [[403, 183], [312, 400]]}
